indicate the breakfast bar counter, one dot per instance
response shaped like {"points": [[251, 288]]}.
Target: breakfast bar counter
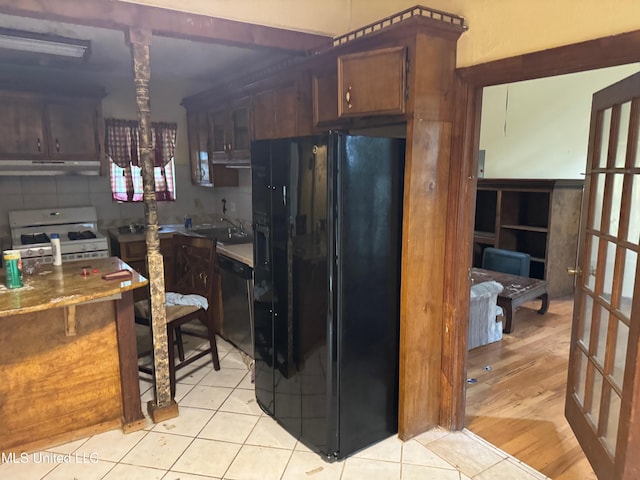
{"points": [[68, 361]]}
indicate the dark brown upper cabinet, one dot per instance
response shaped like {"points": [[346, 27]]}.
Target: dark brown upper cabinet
{"points": [[372, 82], [21, 126], [275, 112], [205, 170], [34, 126], [199, 148], [325, 97], [73, 128], [230, 132]]}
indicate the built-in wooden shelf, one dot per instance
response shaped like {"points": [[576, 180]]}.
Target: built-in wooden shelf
{"points": [[526, 228], [538, 217]]}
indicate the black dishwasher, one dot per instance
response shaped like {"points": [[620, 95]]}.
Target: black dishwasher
{"points": [[237, 303]]}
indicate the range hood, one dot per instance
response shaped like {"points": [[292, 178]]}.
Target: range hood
{"points": [[49, 167], [233, 162]]}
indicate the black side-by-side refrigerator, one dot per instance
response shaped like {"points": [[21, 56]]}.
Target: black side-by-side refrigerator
{"points": [[327, 215]]}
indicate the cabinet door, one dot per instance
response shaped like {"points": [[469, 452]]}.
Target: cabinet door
{"points": [[264, 115], [73, 128], [286, 110], [325, 98], [275, 113], [199, 149], [224, 177], [218, 135], [239, 144], [372, 83], [21, 127]]}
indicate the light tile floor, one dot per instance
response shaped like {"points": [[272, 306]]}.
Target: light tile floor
{"points": [[221, 433]]}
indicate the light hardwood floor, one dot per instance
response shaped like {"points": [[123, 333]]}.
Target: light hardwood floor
{"points": [[517, 403]]}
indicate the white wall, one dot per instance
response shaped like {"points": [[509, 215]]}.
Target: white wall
{"points": [[540, 128], [504, 28], [497, 28]]}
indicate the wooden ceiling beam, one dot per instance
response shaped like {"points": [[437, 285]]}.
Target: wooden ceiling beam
{"points": [[588, 55], [164, 22]]}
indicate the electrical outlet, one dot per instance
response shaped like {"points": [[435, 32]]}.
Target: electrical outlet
{"points": [[231, 206]]}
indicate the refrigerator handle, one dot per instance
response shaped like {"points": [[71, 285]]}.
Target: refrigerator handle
{"points": [[262, 246], [284, 195]]}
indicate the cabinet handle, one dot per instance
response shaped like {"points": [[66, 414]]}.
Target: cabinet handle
{"points": [[38, 145], [57, 146], [347, 97]]}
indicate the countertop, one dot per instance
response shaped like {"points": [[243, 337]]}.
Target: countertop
{"points": [[242, 252], [52, 287]]}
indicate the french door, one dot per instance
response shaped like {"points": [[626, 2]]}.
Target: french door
{"points": [[603, 387]]}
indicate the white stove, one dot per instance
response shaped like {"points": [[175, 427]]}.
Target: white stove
{"points": [[77, 227]]}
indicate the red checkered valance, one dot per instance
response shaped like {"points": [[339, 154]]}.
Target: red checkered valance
{"points": [[122, 145], [122, 140]]}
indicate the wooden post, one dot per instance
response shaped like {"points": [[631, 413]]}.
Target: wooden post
{"points": [[164, 406], [425, 302], [457, 256]]}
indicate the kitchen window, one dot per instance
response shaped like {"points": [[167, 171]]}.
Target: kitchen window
{"points": [[122, 141]]}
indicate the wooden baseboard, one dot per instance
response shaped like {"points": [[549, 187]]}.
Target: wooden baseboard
{"points": [[47, 443], [134, 426], [160, 414]]}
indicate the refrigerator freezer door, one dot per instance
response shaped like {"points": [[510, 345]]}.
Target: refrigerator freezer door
{"points": [[263, 275]]}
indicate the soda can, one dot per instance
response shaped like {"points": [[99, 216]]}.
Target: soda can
{"points": [[13, 268]]}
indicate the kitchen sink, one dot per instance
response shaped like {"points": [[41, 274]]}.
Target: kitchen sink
{"points": [[236, 238], [213, 232], [224, 235]]}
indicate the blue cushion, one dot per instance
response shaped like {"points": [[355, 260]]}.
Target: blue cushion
{"points": [[506, 261]]}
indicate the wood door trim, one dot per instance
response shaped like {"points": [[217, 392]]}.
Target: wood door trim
{"points": [[578, 57], [461, 193], [592, 54], [161, 21]]}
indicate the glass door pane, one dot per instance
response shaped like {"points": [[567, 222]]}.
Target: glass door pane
{"points": [[600, 339], [633, 234], [623, 132], [628, 282], [597, 194], [586, 319], [594, 394], [605, 127], [616, 201], [620, 354], [591, 263], [611, 427], [607, 267]]}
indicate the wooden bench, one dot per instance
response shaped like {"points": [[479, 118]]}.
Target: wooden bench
{"points": [[517, 290]]}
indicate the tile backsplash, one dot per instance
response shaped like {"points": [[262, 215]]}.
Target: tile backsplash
{"points": [[202, 204]]}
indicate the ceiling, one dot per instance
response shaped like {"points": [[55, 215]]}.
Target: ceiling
{"points": [[200, 64]]}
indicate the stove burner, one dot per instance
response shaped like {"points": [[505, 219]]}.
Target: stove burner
{"points": [[81, 235], [33, 238]]}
